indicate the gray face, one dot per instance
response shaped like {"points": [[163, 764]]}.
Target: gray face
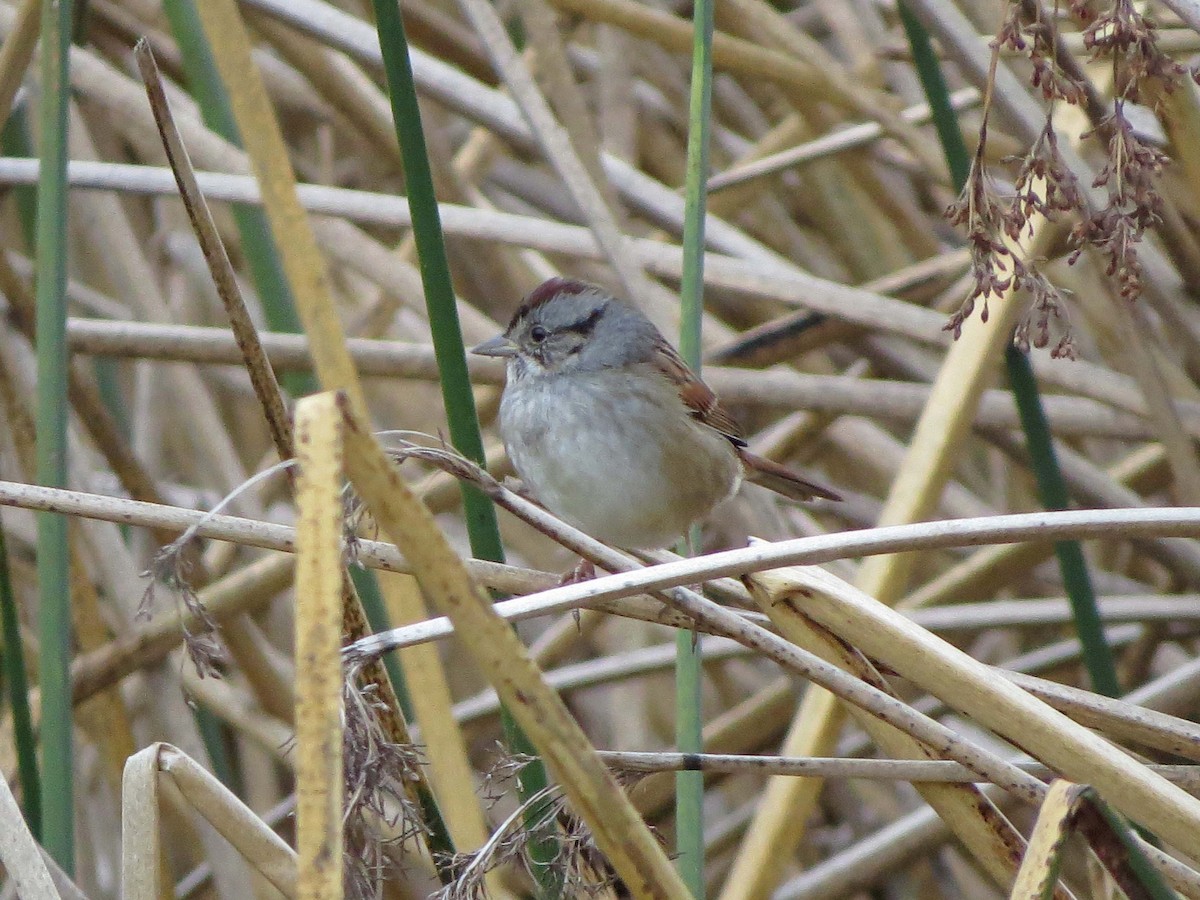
{"points": [[576, 327]]}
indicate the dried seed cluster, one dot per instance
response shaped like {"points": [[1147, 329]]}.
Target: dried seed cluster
{"points": [[1045, 185]]}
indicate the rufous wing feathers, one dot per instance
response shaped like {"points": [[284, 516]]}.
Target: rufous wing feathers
{"points": [[704, 406]]}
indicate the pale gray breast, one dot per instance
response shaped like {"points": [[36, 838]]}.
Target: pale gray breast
{"points": [[615, 453]]}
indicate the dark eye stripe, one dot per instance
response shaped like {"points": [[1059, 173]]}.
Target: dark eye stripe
{"points": [[586, 326]]}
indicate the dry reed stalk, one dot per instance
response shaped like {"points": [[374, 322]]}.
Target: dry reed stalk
{"points": [[16, 55], [933, 449], [20, 853], [319, 677], [595, 796], [141, 812], [963, 682], [970, 815]]}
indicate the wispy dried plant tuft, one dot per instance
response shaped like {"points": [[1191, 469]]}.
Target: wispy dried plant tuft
{"points": [[980, 209], [172, 568], [580, 868], [1045, 185], [376, 772]]}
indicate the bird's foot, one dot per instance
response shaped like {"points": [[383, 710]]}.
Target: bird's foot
{"points": [[585, 571]]}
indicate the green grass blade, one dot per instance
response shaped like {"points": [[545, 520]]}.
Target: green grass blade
{"points": [[53, 565], [435, 276], [367, 586], [945, 119], [689, 786], [1097, 655], [212, 732]]}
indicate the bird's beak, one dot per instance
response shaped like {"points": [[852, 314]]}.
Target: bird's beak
{"points": [[500, 346]]}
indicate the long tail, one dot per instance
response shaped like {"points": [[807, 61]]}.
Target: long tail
{"points": [[782, 480]]}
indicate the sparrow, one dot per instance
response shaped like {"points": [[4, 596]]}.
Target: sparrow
{"points": [[610, 430]]}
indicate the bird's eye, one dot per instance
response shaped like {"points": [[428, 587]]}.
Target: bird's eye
{"points": [[537, 334]]}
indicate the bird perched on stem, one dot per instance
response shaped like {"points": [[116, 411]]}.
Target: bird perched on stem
{"points": [[609, 428]]}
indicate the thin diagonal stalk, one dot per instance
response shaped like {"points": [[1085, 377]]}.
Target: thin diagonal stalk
{"points": [[18, 696], [482, 529], [258, 244], [54, 607], [689, 786], [263, 378], [1051, 486]]}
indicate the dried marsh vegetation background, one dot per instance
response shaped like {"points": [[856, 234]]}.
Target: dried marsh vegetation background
{"points": [[959, 316]]}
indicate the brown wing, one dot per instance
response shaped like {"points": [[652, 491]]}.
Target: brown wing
{"points": [[697, 396], [783, 480]]}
